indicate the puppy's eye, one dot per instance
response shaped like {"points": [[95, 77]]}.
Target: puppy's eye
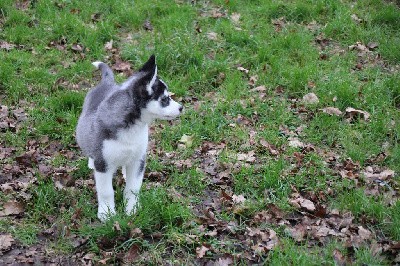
{"points": [[165, 101]]}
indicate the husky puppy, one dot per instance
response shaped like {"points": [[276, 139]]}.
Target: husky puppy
{"points": [[113, 130]]}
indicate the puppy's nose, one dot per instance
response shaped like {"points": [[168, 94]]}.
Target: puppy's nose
{"points": [[180, 109]]}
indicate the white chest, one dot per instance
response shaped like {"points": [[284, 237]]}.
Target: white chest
{"points": [[130, 145]]}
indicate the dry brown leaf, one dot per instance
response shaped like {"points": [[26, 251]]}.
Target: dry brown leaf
{"points": [[7, 46], [104, 261], [372, 45], [310, 98], [186, 141], [201, 251], [355, 18], [339, 258], [132, 255], [147, 25], [298, 232], [301, 202], [332, 111], [6, 241], [295, 142], [352, 113], [242, 69], [116, 226], [359, 47], [364, 233], [108, 45], [369, 173], [248, 157], [235, 17], [136, 233], [12, 208], [121, 65], [213, 36], [224, 261], [216, 13], [253, 80], [77, 47], [307, 204], [238, 199]]}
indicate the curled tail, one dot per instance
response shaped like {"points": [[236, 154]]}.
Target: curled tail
{"points": [[106, 73]]}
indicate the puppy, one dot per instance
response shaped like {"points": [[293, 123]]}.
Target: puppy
{"points": [[113, 130]]}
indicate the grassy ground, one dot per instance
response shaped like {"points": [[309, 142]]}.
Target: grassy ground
{"points": [[263, 174]]}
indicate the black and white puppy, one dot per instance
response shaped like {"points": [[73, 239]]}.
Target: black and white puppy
{"points": [[113, 130]]}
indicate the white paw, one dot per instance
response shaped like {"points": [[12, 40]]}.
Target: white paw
{"points": [[91, 163], [131, 205], [105, 213]]}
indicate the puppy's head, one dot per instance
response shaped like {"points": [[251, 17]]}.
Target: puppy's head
{"points": [[153, 92]]}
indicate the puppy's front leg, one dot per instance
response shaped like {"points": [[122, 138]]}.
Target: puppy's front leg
{"points": [[105, 194], [134, 179]]}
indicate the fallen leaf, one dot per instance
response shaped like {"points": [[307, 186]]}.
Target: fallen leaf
{"points": [[301, 202], [136, 233], [213, 36], [6, 241], [147, 25], [242, 69], [238, 199], [77, 47], [235, 17], [224, 261], [271, 148], [201, 251], [364, 233], [295, 142], [132, 255], [369, 173], [186, 141], [322, 232], [7, 46], [216, 13], [279, 23], [23, 4], [339, 258], [298, 232], [12, 208], [95, 17], [75, 11], [121, 65], [310, 98], [372, 45], [332, 111], [253, 80], [356, 18], [307, 204], [109, 45], [104, 261], [351, 114], [117, 227], [248, 157]]}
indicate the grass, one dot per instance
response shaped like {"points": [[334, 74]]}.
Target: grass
{"points": [[277, 42]]}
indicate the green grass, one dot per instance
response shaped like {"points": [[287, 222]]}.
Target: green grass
{"points": [[276, 41]]}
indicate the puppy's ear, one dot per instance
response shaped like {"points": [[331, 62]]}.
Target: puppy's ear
{"points": [[148, 74]]}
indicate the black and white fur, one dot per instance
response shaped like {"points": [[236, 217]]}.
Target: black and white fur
{"points": [[113, 130]]}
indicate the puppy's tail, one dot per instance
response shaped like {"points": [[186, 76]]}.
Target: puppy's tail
{"points": [[106, 73]]}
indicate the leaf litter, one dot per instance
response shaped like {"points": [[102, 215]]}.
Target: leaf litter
{"points": [[310, 219]]}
